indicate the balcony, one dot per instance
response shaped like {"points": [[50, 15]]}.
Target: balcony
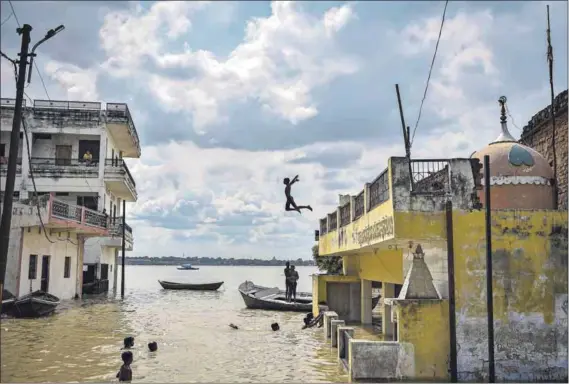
{"points": [[376, 217], [115, 232], [4, 166], [57, 214], [119, 180], [62, 168], [121, 126]]}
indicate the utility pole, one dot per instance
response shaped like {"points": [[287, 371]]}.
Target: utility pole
{"points": [[489, 274], [550, 62], [406, 137], [123, 245], [13, 154]]}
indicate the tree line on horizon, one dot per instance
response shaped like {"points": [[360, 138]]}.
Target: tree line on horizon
{"points": [[176, 260]]}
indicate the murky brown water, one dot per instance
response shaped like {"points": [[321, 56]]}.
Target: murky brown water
{"points": [[82, 341]]}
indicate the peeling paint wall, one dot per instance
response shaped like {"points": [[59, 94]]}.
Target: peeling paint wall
{"points": [[424, 324], [5, 139], [530, 287]]}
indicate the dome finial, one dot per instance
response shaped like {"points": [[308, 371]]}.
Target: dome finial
{"points": [[505, 136]]}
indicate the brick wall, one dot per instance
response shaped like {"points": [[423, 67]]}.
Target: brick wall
{"points": [[538, 133]]}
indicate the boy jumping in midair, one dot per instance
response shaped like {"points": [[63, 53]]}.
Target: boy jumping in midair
{"points": [[289, 199]]}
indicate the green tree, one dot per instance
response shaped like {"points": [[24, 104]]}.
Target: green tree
{"points": [[329, 264]]}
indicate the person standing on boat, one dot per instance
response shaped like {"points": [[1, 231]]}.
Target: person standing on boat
{"points": [[287, 271], [293, 279]]}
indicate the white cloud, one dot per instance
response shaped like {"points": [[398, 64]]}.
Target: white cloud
{"points": [[80, 84], [281, 60]]}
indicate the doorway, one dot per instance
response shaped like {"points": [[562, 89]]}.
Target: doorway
{"points": [[45, 273], [63, 155], [88, 202], [92, 146]]}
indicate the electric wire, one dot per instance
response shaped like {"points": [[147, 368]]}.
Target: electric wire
{"points": [[430, 72]]}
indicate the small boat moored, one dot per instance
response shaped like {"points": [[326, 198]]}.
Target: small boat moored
{"points": [[35, 304], [187, 267], [191, 287], [258, 297]]}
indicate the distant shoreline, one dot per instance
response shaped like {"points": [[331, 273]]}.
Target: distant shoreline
{"points": [[206, 261]]}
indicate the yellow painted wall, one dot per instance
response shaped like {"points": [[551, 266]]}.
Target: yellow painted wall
{"points": [[424, 323], [384, 265], [527, 271], [344, 239], [420, 225]]}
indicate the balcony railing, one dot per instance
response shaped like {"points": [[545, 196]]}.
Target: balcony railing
{"points": [[359, 203], [120, 112], [65, 211], [4, 166], [333, 221], [116, 227], [46, 166], [323, 226], [345, 214], [119, 166], [379, 190], [430, 176]]}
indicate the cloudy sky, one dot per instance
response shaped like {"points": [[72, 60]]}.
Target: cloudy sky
{"points": [[230, 97]]}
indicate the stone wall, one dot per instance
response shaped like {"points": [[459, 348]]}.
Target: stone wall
{"points": [[538, 134]]}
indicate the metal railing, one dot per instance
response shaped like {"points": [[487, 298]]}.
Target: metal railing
{"points": [[65, 211], [116, 227], [430, 176], [359, 203], [345, 214], [323, 226], [120, 112], [66, 167], [333, 220], [7, 102], [71, 105], [62, 162], [379, 190], [119, 166], [4, 166]]}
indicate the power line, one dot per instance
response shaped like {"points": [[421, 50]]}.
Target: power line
{"points": [[14, 13], [8, 18], [430, 72]]}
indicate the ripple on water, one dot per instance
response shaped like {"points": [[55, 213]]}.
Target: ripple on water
{"points": [[83, 341]]}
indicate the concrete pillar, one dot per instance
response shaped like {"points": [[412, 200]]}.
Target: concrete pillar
{"points": [[328, 317], [366, 302], [387, 325], [115, 271], [102, 153], [366, 197], [351, 265], [79, 269], [352, 208], [343, 351], [334, 324]]}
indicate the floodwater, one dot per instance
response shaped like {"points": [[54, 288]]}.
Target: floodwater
{"points": [[82, 341]]}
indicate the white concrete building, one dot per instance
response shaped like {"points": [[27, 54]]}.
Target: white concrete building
{"points": [[80, 200]]}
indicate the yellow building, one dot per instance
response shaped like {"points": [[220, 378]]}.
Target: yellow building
{"points": [[401, 230]]}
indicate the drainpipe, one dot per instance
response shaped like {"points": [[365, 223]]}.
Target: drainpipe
{"points": [[489, 290], [451, 295]]}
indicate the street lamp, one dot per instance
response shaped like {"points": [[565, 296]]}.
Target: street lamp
{"points": [[48, 35]]}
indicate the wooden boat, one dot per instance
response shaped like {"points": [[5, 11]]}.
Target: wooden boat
{"points": [[35, 304], [191, 287], [7, 302], [187, 267], [258, 297]]}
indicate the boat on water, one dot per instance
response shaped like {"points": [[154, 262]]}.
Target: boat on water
{"points": [[187, 267], [259, 297], [32, 305], [191, 287]]}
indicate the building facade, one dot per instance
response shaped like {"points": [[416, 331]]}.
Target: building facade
{"points": [[72, 154], [404, 227]]}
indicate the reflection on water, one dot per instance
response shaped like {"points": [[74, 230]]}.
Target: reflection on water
{"points": [[195, 344]]}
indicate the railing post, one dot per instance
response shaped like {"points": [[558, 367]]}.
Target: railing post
{"points": [[82, 215], [327, 223], [338, 218], [366, 198], [352, 208]]}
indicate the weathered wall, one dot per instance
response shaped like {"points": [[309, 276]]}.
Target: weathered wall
{"points": [[46, 148], [344, 298], [384, 360], [5, 139], [530, 295], [36, 243], [383, 265], [424, 324], [13, 262], [538, 134]]}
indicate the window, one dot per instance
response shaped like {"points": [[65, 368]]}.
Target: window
{"points": [[33, 267], [67, 267]]}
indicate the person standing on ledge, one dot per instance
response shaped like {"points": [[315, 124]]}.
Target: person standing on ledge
{"points": [[293, 279], [290, 204]]}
